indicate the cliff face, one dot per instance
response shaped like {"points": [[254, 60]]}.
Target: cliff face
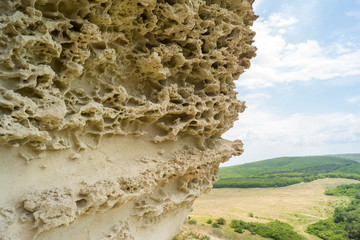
{"points": [[111, 112]]}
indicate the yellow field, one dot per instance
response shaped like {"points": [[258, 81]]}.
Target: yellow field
{"points": [[299, 205]]}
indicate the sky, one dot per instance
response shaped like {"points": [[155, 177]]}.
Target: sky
{"points": [[302, 90]]}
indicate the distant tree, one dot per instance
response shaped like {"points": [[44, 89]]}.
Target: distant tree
{"points": [[215, 225], [192, 222], [238, 230], [221, 221], [234, 223]]}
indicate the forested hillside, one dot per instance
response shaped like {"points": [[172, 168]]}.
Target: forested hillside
{"points": [[284, 171], [345, 222], [351, 156]]}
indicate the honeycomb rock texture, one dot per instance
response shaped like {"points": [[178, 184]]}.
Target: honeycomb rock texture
{"points": [[112, 111]]}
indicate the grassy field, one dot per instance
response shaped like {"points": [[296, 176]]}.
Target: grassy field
{"points": [[298, 205], [285, 171]]}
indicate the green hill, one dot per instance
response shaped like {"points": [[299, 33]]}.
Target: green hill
{"points": [[284, 171], [352, 156]]}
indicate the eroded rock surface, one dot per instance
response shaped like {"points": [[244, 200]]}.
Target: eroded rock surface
{"points": [[111, 112]]}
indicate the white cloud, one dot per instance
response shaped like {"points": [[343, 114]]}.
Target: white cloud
{"points": [[278, 61], [298, 129], [276, 21], [257, 96], [355, 14], [256, 4], [355, 99], [341, 49], [266, 135]]}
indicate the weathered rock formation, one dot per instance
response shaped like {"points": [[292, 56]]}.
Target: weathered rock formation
{"points": [[112, 111]]}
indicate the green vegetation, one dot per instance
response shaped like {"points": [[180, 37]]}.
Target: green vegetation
{"points": [[285, 171], [352, 156], [215, 225], [345, 222], [349, 190], [221, 221], [192, 222], [276, 230], [235, 224], [209, 221], [191, 235]]}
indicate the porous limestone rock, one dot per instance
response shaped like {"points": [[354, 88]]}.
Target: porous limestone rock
{"points": [[112, 111]]}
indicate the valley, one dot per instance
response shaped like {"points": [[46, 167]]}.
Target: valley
{"points": [[298, 205]]}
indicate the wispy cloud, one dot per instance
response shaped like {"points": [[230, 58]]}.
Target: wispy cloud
{"points": [[355, 14], [297, 129], [355, 99], [257, 3], [257, 96], [267, 135], [276, 21], [279, 61]]}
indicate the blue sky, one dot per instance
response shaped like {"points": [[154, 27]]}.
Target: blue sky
{"points": [[303, 88]]}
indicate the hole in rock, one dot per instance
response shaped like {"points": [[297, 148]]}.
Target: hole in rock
{"points": [[171, 2], [100, 45], [191, 47], [47, 7], [143, 17], [203, 16], [81, 203], [172, 63], [76, 26], [165, 41], [215, 65], [55, 33], [28, 92]]}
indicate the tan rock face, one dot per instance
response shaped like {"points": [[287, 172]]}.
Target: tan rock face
{"points": [[111, 112]]}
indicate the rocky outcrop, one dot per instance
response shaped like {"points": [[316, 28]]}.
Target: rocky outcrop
{"points": [[111, 112]]}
